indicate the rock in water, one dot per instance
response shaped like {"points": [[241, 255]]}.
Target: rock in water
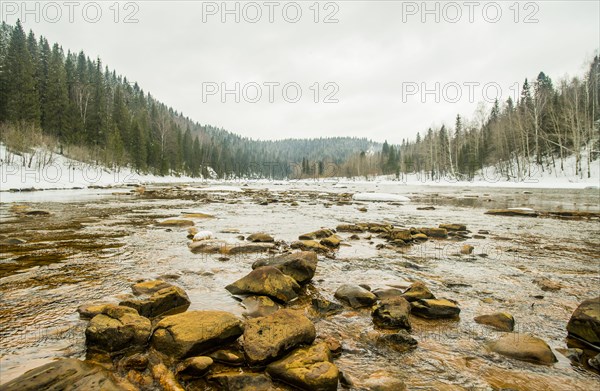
{"points": [[176, 223], [454, 227], [392, 314], [435, 308], [195, 332], [270, 337], [307, 368], [268, 281], [525, 212], [301, 266], [400, 341], [355, 295], [117, 328], [320, 234], [501, 321], [524, 347], [64, 374], [418, 291], [235, 381], [194, 367], [585, 322], [257, 306], [168, 300], [332, 241], [149, 287], [310, 245], [260, 238]]}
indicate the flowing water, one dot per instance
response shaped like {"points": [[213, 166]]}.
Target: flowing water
{"points": [[95, 243]]}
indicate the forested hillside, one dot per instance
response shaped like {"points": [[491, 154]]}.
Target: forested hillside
{"points": [[80, 108], [549, 122]]}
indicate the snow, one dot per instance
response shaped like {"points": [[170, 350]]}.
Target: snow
{"points": [[380, 197]]}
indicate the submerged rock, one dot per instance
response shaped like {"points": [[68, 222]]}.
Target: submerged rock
{"points": [[308, 368], [301, 266], [117, 328], [585, 322], [523, 347], [64, 374], [524, 212], [195, 332], [435, 308], [355, 295], [501, 321], [270, 337], [325, 307], [401, 341], [167, 300], [269, 281], [392, 313], [387, 293]]}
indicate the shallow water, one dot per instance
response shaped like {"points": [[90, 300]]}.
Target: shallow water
{"points": [[94, 245]]}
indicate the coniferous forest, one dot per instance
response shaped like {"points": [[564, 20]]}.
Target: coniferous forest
{"points": [[84, 110]]}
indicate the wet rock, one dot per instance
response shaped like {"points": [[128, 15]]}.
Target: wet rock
{"points": [[117, 328], [594, 362], [355, 295], [308, 368], [523, 347], [269, 338], [331, 241], [137, 361], [165, 378], [310, 245], [175, 223], [419, 237], [194, 367], [301, 266], [235, 381], [350, 228], [88, 311], [335, 347], [195, 332], [453, 227], [12, 242], [483, 232], [387, 293], [401, 341], [354, 237], [401, 234], [381, 381], [37, 213], [149, 287], [574, 355], [269, 281], [208, 246], [501, 321], [198, 215], [259, 306], [547, 284], [229, 357], [418, 291], [320, 234], [167, 300], [191, 232], [585, 322], [392, 313], [441, 233], [260, 237], [248, 248], [379, 228], [64, 374], [466, 249], [326, 307], [524, 212], [435, 308]]}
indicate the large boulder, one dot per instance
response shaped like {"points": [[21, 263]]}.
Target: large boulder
{"points": [[392, 313], [64, 374], [435, 308], [585, 322], [500, 321], [356, 296], [301, 266], [417, 291], [117, 328], [195, 333], [308, 368], [270, 337], [269, 281], [523, 347], [167, 300]]}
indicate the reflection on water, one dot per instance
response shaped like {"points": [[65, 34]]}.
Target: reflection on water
{"points": [[93, 246]]}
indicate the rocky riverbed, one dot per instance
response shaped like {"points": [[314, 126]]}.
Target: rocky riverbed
{"points": [[296, 285]]}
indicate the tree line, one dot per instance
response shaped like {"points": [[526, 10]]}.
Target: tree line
{"points": [[81, 103]]}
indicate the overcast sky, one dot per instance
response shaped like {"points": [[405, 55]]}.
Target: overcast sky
{"points": [[375, 59]]}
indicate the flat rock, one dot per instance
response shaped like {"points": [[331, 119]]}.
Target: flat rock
{"points": [[524, 212], [418, 291], [270, 337], [165, 301], [319, 234], [310, 245], [175, 223], [501, 321], [355, 295], [248, 248], [117, 328], [260, 237], [585, 322], [392, 313], [301, 266], [523, 347], [435, 308], [64, 374], [332, 241], [453, 227], [149, 287], [269, 281], [88, 311], [309, 368], [387, 293], [195, 332]]}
